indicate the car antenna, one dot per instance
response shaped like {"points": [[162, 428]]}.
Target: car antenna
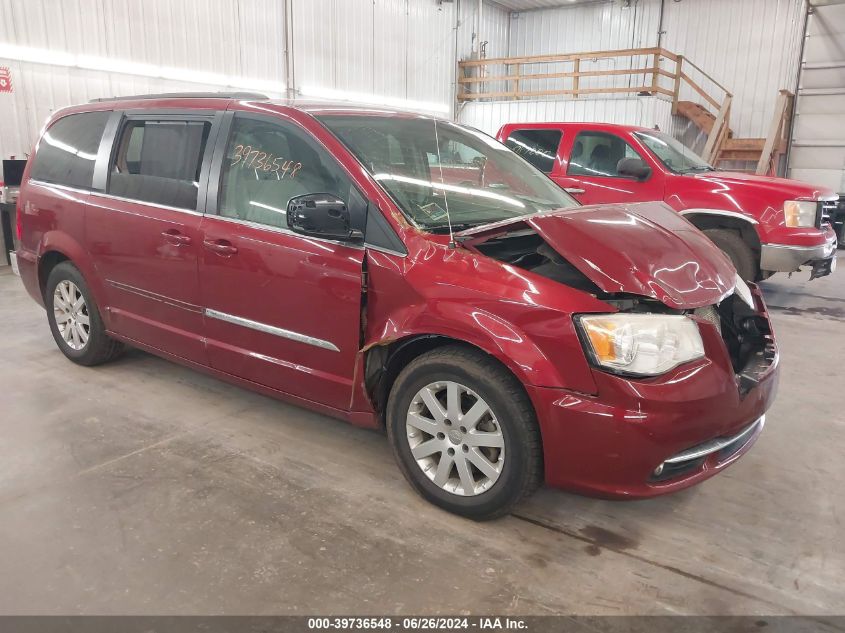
{"points": [[445, 195]]}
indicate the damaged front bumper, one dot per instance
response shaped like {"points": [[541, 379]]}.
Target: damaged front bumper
{"points": [[646, 437], [787, 259]]}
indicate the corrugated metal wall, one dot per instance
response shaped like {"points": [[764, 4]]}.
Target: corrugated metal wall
{"points": [[202, 37], [749, 46], [402, 49], [495, 25], [393, 48], [647, 111]]}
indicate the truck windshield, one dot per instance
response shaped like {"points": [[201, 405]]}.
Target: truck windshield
{"points": [[442, 172], [672, 153]]}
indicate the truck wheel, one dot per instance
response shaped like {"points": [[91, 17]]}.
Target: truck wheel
{"points": [[732, 244], [464, 433], [75, 320]]}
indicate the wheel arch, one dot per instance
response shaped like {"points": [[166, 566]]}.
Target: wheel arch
{"points": [[384, 361], [746, 226], [57, 247]]}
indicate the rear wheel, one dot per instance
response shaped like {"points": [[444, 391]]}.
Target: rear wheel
{"points": [[75, 320], [732, 244], [464, 433]]}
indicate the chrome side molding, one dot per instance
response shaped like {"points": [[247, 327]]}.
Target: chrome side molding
{"points": [[271, 329]]}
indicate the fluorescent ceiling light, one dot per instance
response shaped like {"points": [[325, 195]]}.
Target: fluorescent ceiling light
{"points": [[124, 67], [366, 98]]}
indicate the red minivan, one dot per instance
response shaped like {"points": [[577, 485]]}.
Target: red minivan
{"points": [[765, 225], [405, 273]]}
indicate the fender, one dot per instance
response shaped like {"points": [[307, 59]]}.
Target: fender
{"points": [[720, 212], [61, 242], [510, 344]]}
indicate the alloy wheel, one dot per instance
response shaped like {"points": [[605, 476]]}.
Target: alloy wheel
{"points": [[71, 314], [455, 438]]}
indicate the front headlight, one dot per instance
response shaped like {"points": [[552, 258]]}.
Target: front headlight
{"points": [[800, 213], [640, 344]]}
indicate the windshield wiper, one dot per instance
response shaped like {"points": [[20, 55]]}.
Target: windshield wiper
{"points": [[699, 168], [456, 226]]}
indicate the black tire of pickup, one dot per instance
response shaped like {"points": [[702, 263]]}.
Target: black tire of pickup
{"points": [[743, 258]]}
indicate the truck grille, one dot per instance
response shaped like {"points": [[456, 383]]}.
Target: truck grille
{"points": [[825, 211]]}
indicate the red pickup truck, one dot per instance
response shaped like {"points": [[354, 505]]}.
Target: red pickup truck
{"points": [[765, 225]]}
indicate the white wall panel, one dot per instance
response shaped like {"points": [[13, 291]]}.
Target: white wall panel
{"points": [[646, 111], [234, 38], [493, 36], [389, 48], [402, 49], [749, 46], [494, 29]]}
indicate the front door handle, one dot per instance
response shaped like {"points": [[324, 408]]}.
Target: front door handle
{"points": [[221, 247], [573, 190], [175, 237]]}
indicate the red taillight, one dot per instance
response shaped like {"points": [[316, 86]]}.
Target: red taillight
{"points": [[19, 220]]}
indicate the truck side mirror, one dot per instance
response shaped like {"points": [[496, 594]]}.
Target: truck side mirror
{"points": [[633, 168]]}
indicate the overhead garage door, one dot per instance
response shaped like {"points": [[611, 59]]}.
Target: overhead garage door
{"points": [[818, 137]]}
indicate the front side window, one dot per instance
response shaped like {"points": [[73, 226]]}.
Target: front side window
{"points": [[267, 163], [159, 161], [674, 155], [538, 147], [598, 154], [439, 170], [68, 150]]}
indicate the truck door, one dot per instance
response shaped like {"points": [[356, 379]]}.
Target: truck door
{"points": [[589, 172]]}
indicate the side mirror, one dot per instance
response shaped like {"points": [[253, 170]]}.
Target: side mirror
{"points": [[633, 168], [321, 215]]}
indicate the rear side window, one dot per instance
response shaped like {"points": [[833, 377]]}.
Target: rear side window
{"points": [[68, 150], [538, 147], [159, 161]]}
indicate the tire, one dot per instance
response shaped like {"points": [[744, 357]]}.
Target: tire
{"points": [[89, 344], [506, 435], [732, 244]]}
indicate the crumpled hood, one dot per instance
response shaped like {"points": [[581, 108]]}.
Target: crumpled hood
{"points": [[644, 249]]}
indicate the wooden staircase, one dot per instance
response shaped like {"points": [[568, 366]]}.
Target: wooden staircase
{"points": [[696, 113], [756, 155]]}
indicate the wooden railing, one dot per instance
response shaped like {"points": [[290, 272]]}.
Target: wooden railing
{"points": [[776, 140], [655, 71]]}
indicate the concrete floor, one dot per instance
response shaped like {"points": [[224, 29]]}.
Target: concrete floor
{"points": [[142, 487]]}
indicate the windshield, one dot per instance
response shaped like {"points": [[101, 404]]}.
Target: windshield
{"points": [[430, 171], [672, 153]]}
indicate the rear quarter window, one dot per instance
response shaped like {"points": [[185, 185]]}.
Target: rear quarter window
{"points": [[538, 147], [68, 149]]}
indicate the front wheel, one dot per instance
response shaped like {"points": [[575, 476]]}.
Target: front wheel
{"points": [[464, 433], [732, 245]]}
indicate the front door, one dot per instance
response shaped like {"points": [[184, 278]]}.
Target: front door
{"points": [[281, 309], [143, 232], [591, 174]]}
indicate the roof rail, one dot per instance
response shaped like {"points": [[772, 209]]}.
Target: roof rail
{"points": [[252, 96]]}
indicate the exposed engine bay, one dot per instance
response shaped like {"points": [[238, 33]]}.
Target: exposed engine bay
{"points": [[746, 333]]}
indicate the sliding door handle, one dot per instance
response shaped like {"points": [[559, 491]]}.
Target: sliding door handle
{"points": [[573, 190]]}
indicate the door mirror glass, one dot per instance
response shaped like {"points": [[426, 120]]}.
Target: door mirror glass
{"points": [[321, 215], [633, 168]]}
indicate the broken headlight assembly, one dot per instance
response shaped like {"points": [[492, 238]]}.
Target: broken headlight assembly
{"points": [[639, 344]]}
